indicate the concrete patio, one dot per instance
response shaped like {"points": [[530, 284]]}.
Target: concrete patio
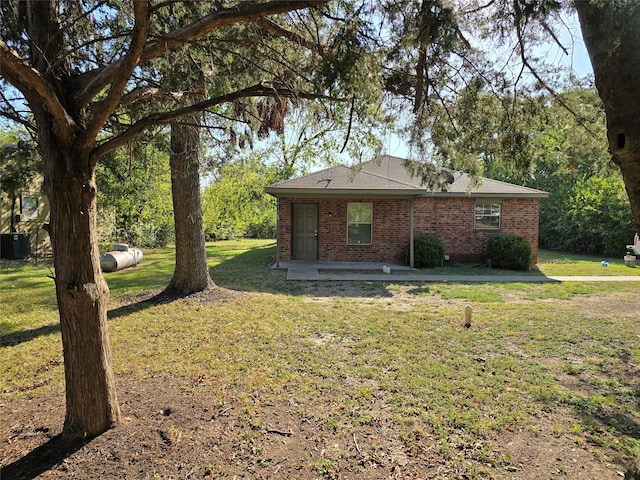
{"points": [[372, 271]]}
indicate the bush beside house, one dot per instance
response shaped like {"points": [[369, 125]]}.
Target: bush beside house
{"points": [[428, 251], [509, 251]]}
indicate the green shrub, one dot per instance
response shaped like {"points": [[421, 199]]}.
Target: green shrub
{"points": [[592, 216], [428, 251], [510, 251]]}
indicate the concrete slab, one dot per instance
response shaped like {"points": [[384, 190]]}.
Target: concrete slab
{"points": [[372, 271]]}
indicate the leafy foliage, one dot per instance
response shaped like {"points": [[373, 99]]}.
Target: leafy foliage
{"points": [[19, 163], [134, 189], [597, 218], [236, 205], [510, 251], [428, 251]]}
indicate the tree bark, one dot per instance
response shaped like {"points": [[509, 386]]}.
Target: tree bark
{"points": [[82, 292], [610, 31], [191, 272]]}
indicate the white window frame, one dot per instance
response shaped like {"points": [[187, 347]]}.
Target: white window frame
{"points": [[487, 214], [362, 221]]}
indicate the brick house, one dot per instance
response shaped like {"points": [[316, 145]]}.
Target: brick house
{"points": [[372, 213]]}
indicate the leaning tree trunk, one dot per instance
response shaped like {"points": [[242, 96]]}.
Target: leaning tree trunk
{"points": [[191, 272], [82, 292], [611, 35]]}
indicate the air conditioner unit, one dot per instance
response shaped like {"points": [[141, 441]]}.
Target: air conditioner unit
{"points": [[14, 246]]}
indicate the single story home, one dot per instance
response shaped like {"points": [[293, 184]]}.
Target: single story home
{"points": [[372, 213]]}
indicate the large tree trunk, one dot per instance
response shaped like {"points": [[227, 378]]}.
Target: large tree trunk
{"points": [[82, 293], [191, 272], [611, 32]]}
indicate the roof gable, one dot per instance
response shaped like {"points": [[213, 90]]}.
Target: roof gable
{"points": [[387, 175]]}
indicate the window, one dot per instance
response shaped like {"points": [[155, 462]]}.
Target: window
{"points": [[29, 208], [359, 220], [487, 215]]}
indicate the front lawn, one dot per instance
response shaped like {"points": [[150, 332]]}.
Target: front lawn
{"points": [[265, 378]]}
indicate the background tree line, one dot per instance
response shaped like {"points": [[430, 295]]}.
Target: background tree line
{"points": [[559, 151], [554, 150]]}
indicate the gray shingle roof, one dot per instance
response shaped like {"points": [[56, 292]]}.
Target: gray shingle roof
{"points": [[389, 176]]}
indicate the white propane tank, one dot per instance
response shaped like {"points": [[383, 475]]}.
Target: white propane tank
{"points": [[120, 258]]}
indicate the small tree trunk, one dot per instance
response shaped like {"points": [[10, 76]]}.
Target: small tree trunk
{"points": [[82, 293], [610, 31], [191, 272]]}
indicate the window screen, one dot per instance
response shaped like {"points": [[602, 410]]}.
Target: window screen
{"points": [[359, 223]]}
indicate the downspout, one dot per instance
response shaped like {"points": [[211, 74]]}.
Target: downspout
{"points": [[277, 232], [411, 260]]}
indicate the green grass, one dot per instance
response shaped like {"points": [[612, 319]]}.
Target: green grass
{"points": [[346, 352], [550, 263], [559, 263]]}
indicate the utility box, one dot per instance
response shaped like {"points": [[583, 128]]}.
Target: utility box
{"points": [[630, 260], [14, 246]]}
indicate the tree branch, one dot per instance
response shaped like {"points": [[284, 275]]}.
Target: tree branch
{"points": [[544, 84], [122, 74], [11, 113], [97, 80], [35, 88], [346, 139], [19, 119], [258, 90], [555, 37], [289, 35], [140, 94]]}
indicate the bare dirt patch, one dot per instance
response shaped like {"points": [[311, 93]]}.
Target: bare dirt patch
{"points": [[171, 430]]}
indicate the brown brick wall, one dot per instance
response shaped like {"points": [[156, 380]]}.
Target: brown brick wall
{"points": [[450, 219]]}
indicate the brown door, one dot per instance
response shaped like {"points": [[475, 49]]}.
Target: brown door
{"points": [[305, 231]]}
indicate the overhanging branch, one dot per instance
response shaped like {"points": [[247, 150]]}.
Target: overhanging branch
{"points": [[544, 84], [259, 90], [288, 34], [125, 67], [97, 80]]}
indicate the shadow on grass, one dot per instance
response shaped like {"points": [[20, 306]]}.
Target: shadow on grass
{"points": [[252, 272], [622, 422], [144, 301], [17, 338], [610, 419], [249, 271], [419, 291], [41, 459]]}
